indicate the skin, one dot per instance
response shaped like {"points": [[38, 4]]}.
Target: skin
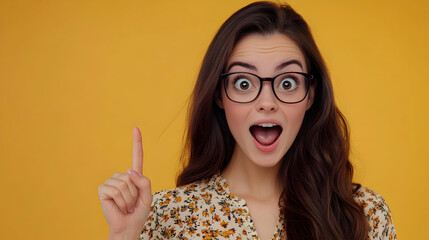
{"points": [[251, 173], [126, 197]]}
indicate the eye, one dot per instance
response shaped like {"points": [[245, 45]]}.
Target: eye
{"points": [[243, 84], [288, 84]]}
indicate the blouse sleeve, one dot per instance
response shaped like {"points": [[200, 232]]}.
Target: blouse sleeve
{"points": [[151, 227], [378, 214]]}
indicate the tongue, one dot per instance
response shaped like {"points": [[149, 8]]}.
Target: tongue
{"points": [[266, 136]]}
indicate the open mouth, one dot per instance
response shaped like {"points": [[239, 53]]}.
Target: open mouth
{"points": [[266, 133]]}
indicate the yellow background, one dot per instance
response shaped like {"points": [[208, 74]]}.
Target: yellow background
{"points": [[77, 76]]}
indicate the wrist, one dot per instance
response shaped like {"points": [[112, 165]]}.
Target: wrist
{"points": [[124, 236]]}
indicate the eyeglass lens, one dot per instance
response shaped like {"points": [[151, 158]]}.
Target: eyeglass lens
{"points": [[245, 87]]}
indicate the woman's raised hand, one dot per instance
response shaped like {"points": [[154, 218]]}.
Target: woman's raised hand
{"points": [[126, 197]]}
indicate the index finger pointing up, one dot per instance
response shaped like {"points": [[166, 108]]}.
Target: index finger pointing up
{"points": [[137, 151]]}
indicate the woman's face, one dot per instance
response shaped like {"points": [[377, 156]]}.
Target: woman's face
{"points": [[265, 129]]}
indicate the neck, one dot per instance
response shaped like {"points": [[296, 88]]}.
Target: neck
{"points": [[246, 179]]}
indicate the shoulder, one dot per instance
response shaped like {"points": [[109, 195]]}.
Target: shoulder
{"points": [[377, 212], [184, 211], [198, 191]]}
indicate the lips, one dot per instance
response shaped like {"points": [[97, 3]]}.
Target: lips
{"points": [[266, 134]]}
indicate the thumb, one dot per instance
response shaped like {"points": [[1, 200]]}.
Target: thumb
{"points": [[144, 188]]}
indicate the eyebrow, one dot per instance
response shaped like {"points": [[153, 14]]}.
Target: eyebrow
{"points": [[252, 67]]}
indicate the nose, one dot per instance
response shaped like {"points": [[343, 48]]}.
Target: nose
{"points": [[267, 101]]}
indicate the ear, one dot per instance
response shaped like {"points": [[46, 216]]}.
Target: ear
{"points": [[219, 102], [310, 96], [218, 96]]}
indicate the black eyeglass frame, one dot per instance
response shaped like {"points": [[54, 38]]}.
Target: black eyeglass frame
{"points": [[308, 78]]}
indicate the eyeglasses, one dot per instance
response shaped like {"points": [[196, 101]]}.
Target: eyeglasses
{"points": [[288, 87]]}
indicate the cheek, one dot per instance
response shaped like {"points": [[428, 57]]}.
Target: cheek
{"points": [[297, 115], [294, 115], [236, 116]]}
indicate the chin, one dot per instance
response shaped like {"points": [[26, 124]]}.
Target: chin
{"points": [[267, 160]]}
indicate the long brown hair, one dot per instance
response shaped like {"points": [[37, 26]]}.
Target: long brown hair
{"points": [[317, 200]]}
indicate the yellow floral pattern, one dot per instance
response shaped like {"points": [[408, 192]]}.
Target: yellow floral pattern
{"points": [[207, 210]]}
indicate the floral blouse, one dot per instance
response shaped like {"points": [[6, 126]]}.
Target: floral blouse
{"points": [[207, 210]]}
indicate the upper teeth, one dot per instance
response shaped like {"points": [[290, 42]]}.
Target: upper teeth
{"points": [[266, 125]]}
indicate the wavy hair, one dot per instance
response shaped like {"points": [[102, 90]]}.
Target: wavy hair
{"points": [[317, 201]]}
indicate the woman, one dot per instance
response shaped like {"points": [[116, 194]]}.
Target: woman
{"points": [[267, 154]]}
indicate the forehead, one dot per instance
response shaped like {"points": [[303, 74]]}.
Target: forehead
{"points": [[266, 51]]}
